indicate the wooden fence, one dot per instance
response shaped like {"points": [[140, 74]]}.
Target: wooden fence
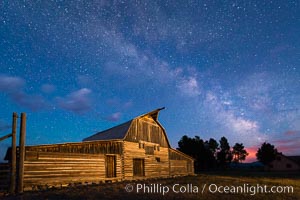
{"points": [[11, 179]]}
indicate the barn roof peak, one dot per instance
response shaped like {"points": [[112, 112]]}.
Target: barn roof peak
{"points": [[120, 131], [153, 113]]}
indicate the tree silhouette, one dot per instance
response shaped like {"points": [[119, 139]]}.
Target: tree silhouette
{"points": [[224, 155], [193, 147], [187, 145], [213, 145], [211, 154], [202, 151], [239, 153], [266, 153]]}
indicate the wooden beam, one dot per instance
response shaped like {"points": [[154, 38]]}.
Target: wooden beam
{"points": [[5, 136], [13, 168], [22, 153]]}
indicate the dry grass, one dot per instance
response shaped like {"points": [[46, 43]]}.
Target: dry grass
{"points": [[117, 191]]}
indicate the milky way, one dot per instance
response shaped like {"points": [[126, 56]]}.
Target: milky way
{"points": [[221, 68]]}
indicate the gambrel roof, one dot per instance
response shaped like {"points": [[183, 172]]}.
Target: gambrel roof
{"points": [[120, 131], [117, 132]]}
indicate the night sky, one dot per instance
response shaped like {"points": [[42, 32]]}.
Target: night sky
{"points": [[221, 68]]}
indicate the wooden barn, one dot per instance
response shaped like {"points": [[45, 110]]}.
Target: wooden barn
{"points": [[137, 149], [284, 163]]}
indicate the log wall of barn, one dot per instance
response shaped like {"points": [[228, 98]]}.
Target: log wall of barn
{"points": [[45, 167], [180, 164], [156, 159]]}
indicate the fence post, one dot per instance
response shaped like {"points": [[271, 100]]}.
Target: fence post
{"points": [[12, 187], [22, 152]]}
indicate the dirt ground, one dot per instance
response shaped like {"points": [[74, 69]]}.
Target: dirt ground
{"points": [[203, 186]]}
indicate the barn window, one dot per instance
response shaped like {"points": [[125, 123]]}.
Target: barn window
{"points": [[110, 166], [149, 150], [138, 167], [141, 145], [157, 159], [288, 165]]}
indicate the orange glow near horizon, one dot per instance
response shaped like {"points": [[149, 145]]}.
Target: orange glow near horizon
{"points": [[251, 157]]}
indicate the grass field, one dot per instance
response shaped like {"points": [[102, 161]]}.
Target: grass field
{"points": [[202, 186]]}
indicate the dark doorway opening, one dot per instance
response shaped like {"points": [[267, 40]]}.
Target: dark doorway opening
{"points": [[110, 166], [138, 167]]}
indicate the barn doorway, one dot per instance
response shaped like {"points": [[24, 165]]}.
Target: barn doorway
{"points": [[138, 167], [110, 166]]}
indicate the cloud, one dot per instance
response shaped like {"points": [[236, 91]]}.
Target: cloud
{"points": [[114, 117], [78, 101], [116, 103], [127, 104], [33, 102], [288, 146], [48, 88], [292, 132], [14, 87], [189, 87], [10, 84], [288, 142]]}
